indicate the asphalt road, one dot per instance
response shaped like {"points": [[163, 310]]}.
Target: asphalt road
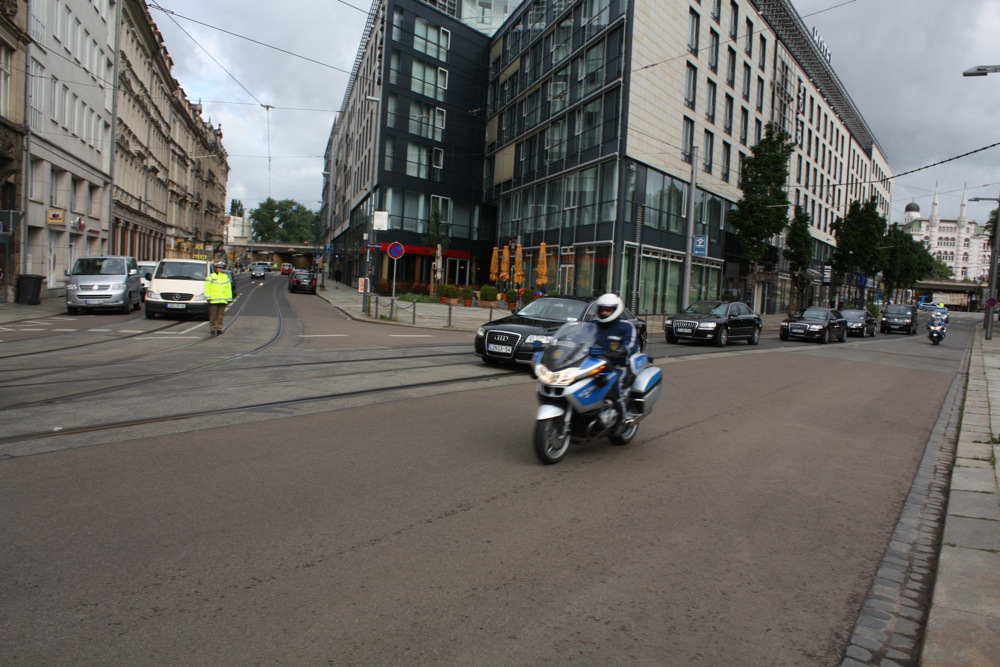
{"points": [[369, 497]]}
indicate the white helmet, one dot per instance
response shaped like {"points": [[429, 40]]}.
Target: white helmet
{"points": [[609, 308]]}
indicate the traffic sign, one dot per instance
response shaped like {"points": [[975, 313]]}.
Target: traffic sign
{"points": [[395, 250], [991, 302], [700, 245]]}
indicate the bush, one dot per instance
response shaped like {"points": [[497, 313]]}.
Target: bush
{"points": [[466, 294], [511, 296], [487, 293], [527, 297], [449, 291]]}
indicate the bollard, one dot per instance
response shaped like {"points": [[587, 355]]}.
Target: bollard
{"points": [[414, 311], [448, 326]]}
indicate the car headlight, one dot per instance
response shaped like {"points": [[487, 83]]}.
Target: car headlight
{"points": [[783, 325], [544, 339], [707, 325], [199, 297], [668, 323], [152, 296], [71, 286], [480, 332], [117, 286]]}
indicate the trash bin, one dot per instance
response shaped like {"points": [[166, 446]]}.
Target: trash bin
{"points": [[29, 289]]}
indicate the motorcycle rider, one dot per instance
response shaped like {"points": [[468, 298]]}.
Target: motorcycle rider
{"points": [[619, 341], [937, 320]]}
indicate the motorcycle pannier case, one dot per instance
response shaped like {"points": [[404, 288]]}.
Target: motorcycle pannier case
{"points": [[646, 389]]}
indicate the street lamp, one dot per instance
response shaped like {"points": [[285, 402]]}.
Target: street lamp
{"points": [[368, 236], [991, 295], [983, 70]]}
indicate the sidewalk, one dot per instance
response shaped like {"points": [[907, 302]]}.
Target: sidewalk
{"points": [[963, 626]]}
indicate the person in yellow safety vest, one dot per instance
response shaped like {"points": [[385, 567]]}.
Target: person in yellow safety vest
{"points": [[219, 294]]}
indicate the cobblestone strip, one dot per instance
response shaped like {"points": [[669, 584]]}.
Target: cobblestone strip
{"points": [[890, 628]]}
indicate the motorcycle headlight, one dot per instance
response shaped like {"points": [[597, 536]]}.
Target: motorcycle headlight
{"points": [[566, 376]]}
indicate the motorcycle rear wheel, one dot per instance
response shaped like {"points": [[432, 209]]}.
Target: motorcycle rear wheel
{"points": [[550, 443]]}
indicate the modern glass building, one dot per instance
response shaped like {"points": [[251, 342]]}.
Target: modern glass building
{"points": [[606, 130]]}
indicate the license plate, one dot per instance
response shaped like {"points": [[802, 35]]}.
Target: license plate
{"points": [[684, 330], [500, 349], [92, 302], [179, 306]]}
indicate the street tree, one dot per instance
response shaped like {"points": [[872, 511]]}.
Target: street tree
{"points": [[799, 252], [860, 235], [904, 261], [762, 212], [437, 235], [285, 221], [236, 208]]}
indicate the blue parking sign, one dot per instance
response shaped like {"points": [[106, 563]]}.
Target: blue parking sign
{"points": [[700, 245]]}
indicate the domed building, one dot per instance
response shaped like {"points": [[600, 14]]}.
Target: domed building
{"points": [[960, 243]]}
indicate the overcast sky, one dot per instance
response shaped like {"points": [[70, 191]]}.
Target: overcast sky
{"points": [[900, 60]]}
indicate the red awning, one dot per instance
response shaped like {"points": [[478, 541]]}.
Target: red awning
{"points": [[424, 250]]}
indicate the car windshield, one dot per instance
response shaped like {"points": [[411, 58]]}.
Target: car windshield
{"points": [[897, 310], [570, 345], [557, 310], [99, 266], [706, 308], [810, 314], [853, 314], [181, 271]]}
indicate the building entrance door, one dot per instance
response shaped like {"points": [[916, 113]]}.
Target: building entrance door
{"points": [[565, 285]]}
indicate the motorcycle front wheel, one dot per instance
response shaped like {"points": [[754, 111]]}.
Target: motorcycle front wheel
{"points": [[550, 442]]}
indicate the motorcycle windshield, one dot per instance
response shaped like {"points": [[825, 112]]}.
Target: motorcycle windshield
{"points": [[570, 344]]}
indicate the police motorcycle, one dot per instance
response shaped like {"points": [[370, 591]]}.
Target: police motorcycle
{"points": [[936, 329], [576, 393]]}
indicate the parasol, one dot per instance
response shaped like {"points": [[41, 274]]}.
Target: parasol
{"points": [[505, 265], [518, 266], [543, 268], [494, 266]]}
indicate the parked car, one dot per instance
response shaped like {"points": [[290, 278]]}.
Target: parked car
{"points": [[103, 281], [513, 338], [860, 322], [813, 323], [258, 271], [302, 280], [899, 317], [286, 269], [716, 321]]}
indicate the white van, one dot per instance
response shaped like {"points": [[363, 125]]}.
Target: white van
{"points": [[177, 287], [106, 281]]}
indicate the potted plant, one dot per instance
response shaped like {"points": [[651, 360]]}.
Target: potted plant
{"points": [[449, 294], [512, 299], [467, 296], [527, 296], [487, 296]]}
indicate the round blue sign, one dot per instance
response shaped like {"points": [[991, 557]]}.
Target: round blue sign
{"points": [[395, 250]]}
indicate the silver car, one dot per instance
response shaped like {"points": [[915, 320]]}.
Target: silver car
{"points": [[107, 281]]}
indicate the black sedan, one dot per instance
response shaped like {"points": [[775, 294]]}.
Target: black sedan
{"points": [[716, 321], [860, 322], [811, 323], [258, 271], [302, 281], [513, 338], [899, 317]]}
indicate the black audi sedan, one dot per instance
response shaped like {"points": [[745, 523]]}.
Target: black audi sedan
{"points": [[812, 323], [899, 317], [859, 322], [716, 321], [513, 338]]}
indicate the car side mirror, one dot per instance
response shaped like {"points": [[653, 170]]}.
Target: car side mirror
{"points": [[149, 276]]}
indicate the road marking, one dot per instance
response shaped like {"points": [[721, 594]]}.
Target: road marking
{"points": [[157, 333], [106, 330], [65, 329], [130, 331], [322, 335], [411, 335], [30, 329]]}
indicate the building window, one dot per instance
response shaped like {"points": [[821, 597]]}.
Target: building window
{"points": [[760, 94], [716, 10], [710, 93], [691, 86], [734, 19], [746, 82], [748, 39], [694, 28], [762, 62], [727, 114], [713, 50], [559, 90], [687, 140], [727, 157], [731, 68], [744, 125], [708, 150], [562, 40]]}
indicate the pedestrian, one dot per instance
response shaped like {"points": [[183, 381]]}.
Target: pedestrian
{"points": [[219, 293], [337, 276]]}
